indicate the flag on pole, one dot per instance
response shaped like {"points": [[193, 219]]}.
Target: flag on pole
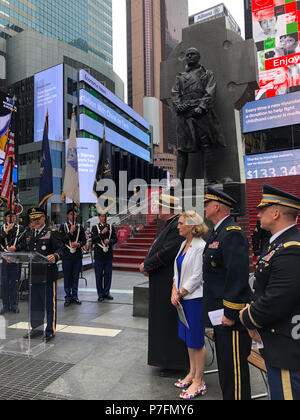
{"points": [[7, 186], [104, 168], [4, 126], [104, 171], [46, 180], [71, 181]]}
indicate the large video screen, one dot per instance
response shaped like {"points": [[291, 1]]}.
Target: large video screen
{"points": [[272, 165], [95, 128], [271, 113], [276, 33], [88, 157], [98, 107], [48, 97]]}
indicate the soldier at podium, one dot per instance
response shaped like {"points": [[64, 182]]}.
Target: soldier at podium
{"points": [[47, 242], [10, 233], [73, 238]]}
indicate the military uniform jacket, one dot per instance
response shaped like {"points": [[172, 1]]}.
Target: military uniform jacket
{"points": [[67, 237], [226, 272], [12, 238], [277, 301], [98, 239], [260, 239], [48, 242], [196, 88]]}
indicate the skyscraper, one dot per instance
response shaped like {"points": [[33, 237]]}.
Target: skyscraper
{"points": [[154, 29], [84, 24]]}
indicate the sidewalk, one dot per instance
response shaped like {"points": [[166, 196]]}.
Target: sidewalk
{"points": [[100, 352]]}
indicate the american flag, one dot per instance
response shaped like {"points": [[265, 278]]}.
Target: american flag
{"points": [[7, 186]]}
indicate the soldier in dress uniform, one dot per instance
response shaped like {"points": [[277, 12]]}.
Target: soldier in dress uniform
{"points": [[10, 234], [260, 239], [45, 241], [273, 319], [226, 287], [104, 237], [74, 239]]}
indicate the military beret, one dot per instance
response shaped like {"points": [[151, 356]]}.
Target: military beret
{"points": [[220, 196], [71, 210], [272, 195], [8, 213]]}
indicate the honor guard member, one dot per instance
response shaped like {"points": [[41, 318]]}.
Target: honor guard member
{"points": [[226, 288], [45, 241], [104, 237], [73, 238], [10, 241], [273, 319]]}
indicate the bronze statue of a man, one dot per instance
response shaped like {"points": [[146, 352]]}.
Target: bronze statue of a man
{"points": [[198, 127]]}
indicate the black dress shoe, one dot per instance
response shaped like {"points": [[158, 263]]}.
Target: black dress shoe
{"points": [[34, 334], [109, 297], [15, 311], [101, 299], [48, 337], [76, 301], [67, 303]]}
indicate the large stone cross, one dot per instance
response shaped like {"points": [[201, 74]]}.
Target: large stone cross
{"points": [[234, 63]]}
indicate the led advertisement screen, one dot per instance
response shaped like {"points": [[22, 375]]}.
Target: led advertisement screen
{"points": [[276, 33], [99, 108], [88, 157], [95, 128], [6, 107], [100, 88], [271, 113], [48, 97], [15, 174], [271, 165]]}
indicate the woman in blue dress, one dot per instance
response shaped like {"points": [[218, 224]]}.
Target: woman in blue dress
{"points": [[188, 291]]}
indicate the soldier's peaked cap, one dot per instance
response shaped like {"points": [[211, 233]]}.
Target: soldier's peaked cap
{"points": [[272, 195], [219, 196], [36, 213]]}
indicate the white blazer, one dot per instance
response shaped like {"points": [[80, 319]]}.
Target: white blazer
{"points": [[191, 270]]}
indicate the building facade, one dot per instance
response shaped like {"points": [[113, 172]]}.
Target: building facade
{"points": [[154, 29], [87, 26], [271, 121]]}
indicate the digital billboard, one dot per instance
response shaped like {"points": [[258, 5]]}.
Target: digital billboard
{"points": [[276, 33], [100, 88], [272, 165], [271, 113], [6, 108], [92, 103], [48, 97], [95, 128], [88, 157]]}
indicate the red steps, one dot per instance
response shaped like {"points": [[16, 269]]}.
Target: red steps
{"points": [[254, 188], [129, 255]]}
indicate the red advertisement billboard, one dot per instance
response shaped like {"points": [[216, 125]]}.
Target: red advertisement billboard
{"points": [[276, 32]]}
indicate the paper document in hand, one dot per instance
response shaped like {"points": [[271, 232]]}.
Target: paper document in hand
{"points": [[182, 316], [216, 317]]}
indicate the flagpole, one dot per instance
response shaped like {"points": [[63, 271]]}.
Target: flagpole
{"points": [[11, 173]]}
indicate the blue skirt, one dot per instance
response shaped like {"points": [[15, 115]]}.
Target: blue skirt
{"points": [[194, 337]]}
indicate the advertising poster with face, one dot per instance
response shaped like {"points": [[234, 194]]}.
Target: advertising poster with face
{"points": [[276, 33]]}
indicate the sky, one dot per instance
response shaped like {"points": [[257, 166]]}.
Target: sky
{"points": [[236, 8]]}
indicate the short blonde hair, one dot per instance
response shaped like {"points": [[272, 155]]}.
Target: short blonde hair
{"points": [[194, 219]]}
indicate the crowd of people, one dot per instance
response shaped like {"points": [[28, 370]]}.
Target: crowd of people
{"points": [[50, 245], [194, 285]]}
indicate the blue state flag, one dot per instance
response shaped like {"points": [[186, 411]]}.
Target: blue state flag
{"points": [[46, 180]]}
